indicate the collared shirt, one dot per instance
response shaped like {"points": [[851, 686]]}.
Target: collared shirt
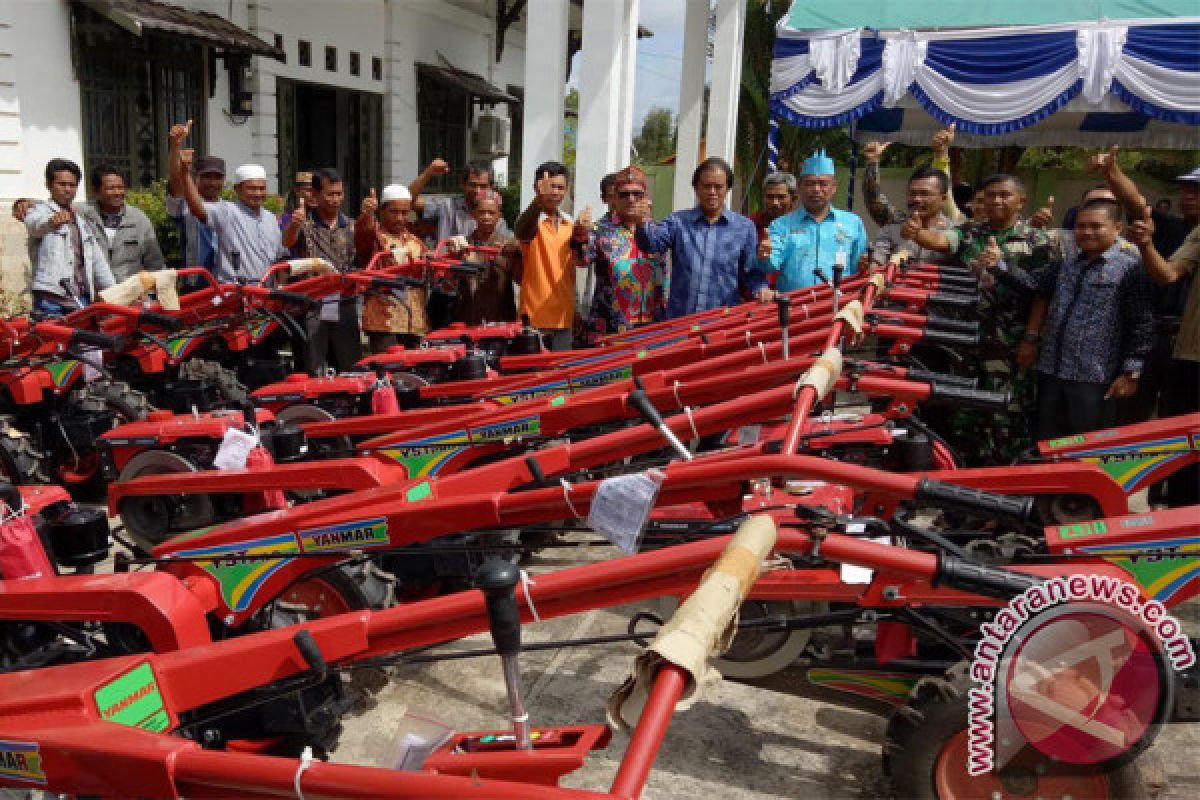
{"points": [[254, 237], [454, 218], [890, 241], [800, 245], [1187, 345], [198, 241], [130, 239], [629, 283], [1101, 317], [548, 277], [333, 243], [711, 262]]}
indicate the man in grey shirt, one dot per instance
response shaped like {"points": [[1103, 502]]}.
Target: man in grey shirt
{"points": [[927, 188], [127, 231], [454, 215], [248, 237]]}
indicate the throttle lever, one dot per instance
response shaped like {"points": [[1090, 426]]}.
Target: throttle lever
{"points": [[497, 579]]}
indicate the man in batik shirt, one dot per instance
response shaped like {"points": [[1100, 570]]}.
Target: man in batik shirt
{"points": [[1003, 242], [630, 283]]}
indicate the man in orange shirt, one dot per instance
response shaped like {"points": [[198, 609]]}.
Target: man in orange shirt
{"points": [[548, 276]]}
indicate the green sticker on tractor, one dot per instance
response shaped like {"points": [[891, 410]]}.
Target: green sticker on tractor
{"points": [[1066, 441], [1082, 529], [419, 492], [134, 699]]}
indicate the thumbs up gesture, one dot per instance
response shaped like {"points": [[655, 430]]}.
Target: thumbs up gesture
{"points": [[370, 204], [991, 255], [912, 226], [298, 214], [943, 139], [179, 133], [1042, 217], [873, 151], [583, 223]]}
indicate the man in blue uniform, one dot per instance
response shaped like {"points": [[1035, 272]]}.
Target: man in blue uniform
{"points": [[816, 236]]}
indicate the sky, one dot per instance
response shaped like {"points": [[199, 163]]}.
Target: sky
{"points": [[659, 59]]}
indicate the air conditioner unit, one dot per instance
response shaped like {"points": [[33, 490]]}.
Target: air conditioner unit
{"points": [[491, 135]]}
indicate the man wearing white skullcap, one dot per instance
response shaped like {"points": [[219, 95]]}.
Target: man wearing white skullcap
{"points": [[394, 317], [248, 236]]}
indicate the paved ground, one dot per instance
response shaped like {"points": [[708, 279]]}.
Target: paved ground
{"points": [[779, 739]]}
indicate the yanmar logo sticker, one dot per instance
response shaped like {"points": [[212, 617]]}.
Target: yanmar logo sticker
{"points": [[134, 699], [21, 761], [368, 533]]}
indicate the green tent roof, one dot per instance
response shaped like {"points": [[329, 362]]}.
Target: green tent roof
{"points": [[893, 14]]}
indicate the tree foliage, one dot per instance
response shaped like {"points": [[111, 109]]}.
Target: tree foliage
{"points": [[656, 140]]}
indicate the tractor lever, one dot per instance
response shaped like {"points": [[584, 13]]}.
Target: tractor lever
{"points": [[497, 579], [784, 306], [310, 651], [640, 402]]}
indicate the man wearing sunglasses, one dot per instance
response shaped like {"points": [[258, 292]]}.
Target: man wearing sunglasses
{"points": [[629, 281], [815, 237]]}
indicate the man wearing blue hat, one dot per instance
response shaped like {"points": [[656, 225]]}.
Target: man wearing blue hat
{"points": [[816, 236]]}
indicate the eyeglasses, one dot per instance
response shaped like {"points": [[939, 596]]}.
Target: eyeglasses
{"points": [[631, 195]]}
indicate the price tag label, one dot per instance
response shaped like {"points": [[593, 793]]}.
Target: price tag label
{"points": [[621, 507]]}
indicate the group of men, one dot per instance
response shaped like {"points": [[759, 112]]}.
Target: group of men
{"points": [[1068, 316]]}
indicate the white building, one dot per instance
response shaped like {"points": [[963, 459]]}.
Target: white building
{"points": [[374, 88]]}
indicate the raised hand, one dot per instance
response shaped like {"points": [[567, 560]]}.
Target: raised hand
{"points": [[186, 157], [585, 220], [991, 255], [873, 151], [61, 218], [1042, 217], [438, 167], [20, 208], [912, 226], [764, 248], [179, 133], [1141, 231], [298, 214], [370, 204], [1104, 162], [943, 139]]}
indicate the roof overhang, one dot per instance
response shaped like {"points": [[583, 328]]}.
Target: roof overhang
{"points": [[469, 82], [139, 16]]}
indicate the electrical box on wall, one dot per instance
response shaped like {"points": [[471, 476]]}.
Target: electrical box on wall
{"points": [[241, 98], [490, 138]]}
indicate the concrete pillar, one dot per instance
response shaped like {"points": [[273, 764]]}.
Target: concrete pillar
{"points": [[726, 79], [691, 101], [605, 96], [545, 88]]}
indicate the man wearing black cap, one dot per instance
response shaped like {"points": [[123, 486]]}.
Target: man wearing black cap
{"points": [[197, 240]]}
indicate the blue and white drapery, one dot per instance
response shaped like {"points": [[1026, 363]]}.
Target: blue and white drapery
{"points": [[996, 81]]}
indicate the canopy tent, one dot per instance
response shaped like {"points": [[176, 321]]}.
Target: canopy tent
{"points": [[1086, 72]]}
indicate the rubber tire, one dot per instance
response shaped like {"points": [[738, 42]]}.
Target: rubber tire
{"points": [[232, 393], [782, 657], [136, 469], [20, 463], [127, 403], [299, 413], [936, 711]]}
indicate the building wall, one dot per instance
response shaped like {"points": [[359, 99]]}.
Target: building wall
{"points": [[40, 105]]}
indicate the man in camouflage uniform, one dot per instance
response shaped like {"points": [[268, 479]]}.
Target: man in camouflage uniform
{"points": [[993, 249]]}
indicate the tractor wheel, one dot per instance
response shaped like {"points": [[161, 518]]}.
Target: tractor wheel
{"points": [[85, 479], [152, 519], [20, 464], [320, 448], [926, 756], [231, 392], [1067, 509], [756, 653]]}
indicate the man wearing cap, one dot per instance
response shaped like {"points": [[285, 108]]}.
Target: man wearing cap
{"points": [[248, 237], [197, 241], [629, 282], [815, 237], [1181, 386], [454, 215]]}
